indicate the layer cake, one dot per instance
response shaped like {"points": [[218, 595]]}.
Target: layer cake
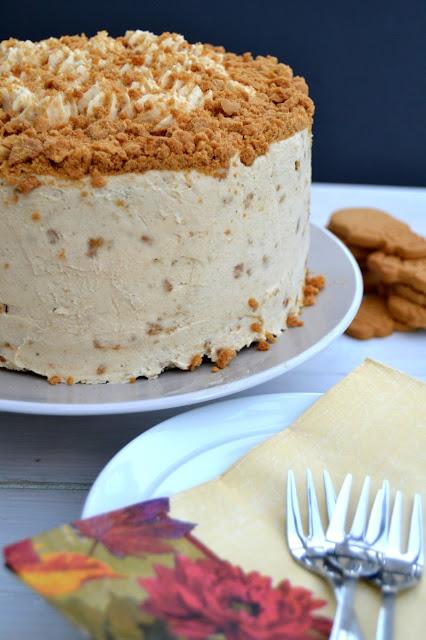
{"points": [[154, 204]]}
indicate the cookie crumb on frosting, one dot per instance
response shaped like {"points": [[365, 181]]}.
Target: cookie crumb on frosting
{"points": [[75, 105], [294, 321], [262, 345], [196, 362], [224, 357]]}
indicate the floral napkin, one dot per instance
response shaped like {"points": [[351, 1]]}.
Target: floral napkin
{"points": [[373, 423], [136, 573]]}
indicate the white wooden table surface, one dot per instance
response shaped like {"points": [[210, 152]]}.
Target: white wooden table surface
{"points": [[47, 464]]}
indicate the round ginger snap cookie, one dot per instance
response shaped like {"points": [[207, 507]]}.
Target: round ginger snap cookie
{"points": [[375, 229], [371, 281], [407, 292], [414, 315], [394, 270], [401, 327], [373, 320], [359, 253]]}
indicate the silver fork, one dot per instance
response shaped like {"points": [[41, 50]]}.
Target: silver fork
{"points": [[398, 570], [352, 555], [312, 550]]}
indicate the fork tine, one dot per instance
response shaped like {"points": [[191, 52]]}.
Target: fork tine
{"points": [[415, 540], [295, 534], [330, 495], [360, 519], [378, 521], [316, 532], [394, 537], [336, 527]]}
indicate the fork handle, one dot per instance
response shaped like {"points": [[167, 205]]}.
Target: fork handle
{"points": [[354, 632], [343, 621], [385, 629]]}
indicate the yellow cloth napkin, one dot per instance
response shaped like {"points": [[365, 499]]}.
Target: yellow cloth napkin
{"points": [[372, 422]]}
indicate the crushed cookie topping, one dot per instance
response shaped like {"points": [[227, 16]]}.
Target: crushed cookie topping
{"points": [[270, 337], [262, 345], [99, 345], [294, 321], [196, 362], [74, 106], [139, 75], [168, 287], [25, 183], [313, 285], [53, 236], [93, 244], [224, 357], [238, 270]]}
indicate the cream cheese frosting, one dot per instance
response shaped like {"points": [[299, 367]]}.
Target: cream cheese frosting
{"points": [[152, 270]]}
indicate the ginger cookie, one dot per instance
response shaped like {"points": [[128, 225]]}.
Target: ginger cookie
{"points": [[407, 292], [359, 253], [402, 328], [394, 270], [371, 281], [376, 229], [407, 312], [373, 320]]}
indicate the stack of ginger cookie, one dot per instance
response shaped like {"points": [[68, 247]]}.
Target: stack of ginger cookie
{"points": [[392, 259]]}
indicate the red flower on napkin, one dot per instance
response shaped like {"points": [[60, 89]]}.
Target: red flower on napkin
{"points": [[137, 530], [200, 598]]}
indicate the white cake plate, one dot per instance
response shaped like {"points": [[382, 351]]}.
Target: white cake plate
{"points": [[335, 308], [191, 448]]}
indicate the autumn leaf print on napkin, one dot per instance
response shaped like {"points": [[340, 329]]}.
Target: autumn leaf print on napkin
{"points": [[137, 530], [56, 573]]}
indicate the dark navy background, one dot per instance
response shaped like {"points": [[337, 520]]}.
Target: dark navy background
{"points": [[365, 62]]}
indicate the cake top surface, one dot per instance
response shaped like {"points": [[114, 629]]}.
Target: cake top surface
{"points": [[77, 105]]}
